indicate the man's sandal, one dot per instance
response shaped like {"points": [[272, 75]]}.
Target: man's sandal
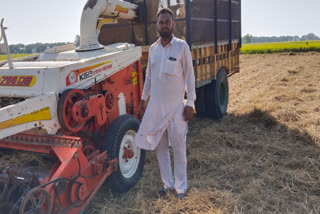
{"points": [[181, 196], [162, 193]]}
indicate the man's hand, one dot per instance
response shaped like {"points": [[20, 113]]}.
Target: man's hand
{"points": [[142, 109], [188, 113]]}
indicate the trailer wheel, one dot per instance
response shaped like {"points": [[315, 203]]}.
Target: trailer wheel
{"points": [[201, 103], [218, 95], [119, 143]]}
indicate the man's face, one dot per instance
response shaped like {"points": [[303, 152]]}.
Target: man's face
{"points": [[165, 25]]}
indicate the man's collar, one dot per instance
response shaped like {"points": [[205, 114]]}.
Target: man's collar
{"points": [[172, 40], [170, 43]]}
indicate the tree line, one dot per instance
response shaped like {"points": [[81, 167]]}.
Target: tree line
{"points": [[32, 48], [38, 47], [265, 39]]}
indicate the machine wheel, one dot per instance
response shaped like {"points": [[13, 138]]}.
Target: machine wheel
{"points": [[68, 98], [218, 96], [37, 201], [201, 103], [119, 143]]}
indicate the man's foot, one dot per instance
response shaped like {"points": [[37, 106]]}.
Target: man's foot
{"points": [[162, 193], [181, 196]]}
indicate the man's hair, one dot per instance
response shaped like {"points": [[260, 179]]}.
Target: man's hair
{"points": [[163, 11]]}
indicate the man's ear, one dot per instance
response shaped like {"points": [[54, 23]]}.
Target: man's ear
{"points": [[173, 23]]}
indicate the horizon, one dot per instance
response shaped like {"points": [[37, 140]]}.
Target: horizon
{"points": [[241, 37], [45, 26]]}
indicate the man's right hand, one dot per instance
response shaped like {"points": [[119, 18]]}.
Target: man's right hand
{"points": [[142, 109]]}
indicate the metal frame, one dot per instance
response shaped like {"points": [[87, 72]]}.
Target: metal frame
{"points": [[240, 32], [145, 24], [230, 25], [188, 22], [215, 26]]}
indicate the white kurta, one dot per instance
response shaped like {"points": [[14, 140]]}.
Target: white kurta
{"points": [[169, 75]]}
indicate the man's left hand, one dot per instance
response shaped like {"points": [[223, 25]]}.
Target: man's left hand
{"points": [[188, 113]]}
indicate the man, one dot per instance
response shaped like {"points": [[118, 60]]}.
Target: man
{"points": [[169, 75]]}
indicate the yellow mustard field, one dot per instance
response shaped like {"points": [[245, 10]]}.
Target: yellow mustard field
{"points": [[279, 47], [4, 57]]}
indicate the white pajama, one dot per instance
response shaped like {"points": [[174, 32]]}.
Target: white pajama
{"points": [[175, 135], [169, 75]]}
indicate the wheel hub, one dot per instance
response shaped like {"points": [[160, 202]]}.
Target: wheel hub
{"points": [[129, 155]]}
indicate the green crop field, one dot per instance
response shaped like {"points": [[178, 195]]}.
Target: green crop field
{"points": [[279, 47], [4, 57]]}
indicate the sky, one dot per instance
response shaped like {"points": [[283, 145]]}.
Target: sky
{"points": [[280, 17], [31, 21]]}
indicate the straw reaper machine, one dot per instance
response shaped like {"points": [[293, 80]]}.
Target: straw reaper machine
{"points": [[77, 108]]}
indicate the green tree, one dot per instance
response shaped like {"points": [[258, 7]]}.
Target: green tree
{"points": [[247, 38], [310, 36], [77, 41]]}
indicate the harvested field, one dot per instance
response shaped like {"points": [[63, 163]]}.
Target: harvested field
{"points": [[263, 157]]}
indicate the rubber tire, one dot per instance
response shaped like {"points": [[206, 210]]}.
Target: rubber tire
{"points": [[112, 140], [218, 96], [201, 102]]}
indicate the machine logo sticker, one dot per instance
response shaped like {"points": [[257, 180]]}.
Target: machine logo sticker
{"points": [[87, 72], [72, 77], [18, 81], [85, 75]]}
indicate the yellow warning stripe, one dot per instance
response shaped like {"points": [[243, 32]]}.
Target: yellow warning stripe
{"points": [[82, 70], [135, 77], [105, 21], [42, 114], [121, 9]]}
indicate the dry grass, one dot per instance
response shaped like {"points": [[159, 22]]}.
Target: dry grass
{"points": [[263, 157], [24, 159], [245, 164]]}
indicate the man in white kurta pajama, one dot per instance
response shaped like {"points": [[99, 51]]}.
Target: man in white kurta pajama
{"points": [[169, 75]]}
